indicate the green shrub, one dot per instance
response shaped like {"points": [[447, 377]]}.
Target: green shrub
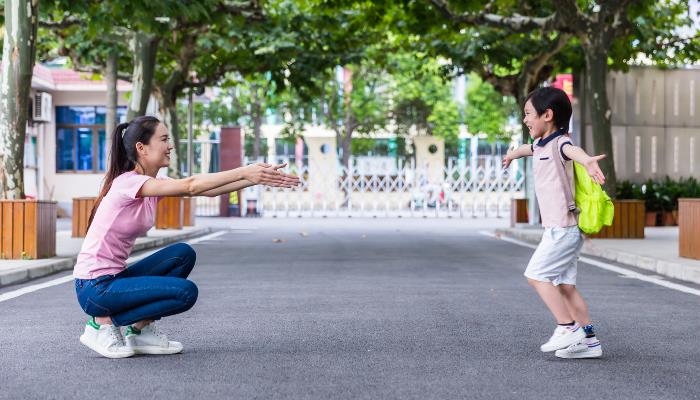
{"points": [[689, 187], [659, 195], [655, 199], [627, 190]]}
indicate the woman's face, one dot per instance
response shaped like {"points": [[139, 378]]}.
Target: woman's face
{"points": [[537, 124], [157, 152]]}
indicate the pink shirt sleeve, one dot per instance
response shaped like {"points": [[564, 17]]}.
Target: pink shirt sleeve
{"points": [[130, 186], [563, 142]]}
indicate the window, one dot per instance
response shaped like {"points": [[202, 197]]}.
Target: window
{"points": [[81, 141], [286, 147]]}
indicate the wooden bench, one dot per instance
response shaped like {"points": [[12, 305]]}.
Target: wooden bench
{"points": [[518, 212], [169, 213], [189, 206], [628, 223], [82, 208], [689, 228], [27, 229]]}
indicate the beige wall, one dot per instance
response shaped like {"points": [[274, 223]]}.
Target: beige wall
{"points": [[655, 123]]}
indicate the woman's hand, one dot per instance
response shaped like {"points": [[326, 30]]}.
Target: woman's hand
{"points": [[594, 170], [269, 175]]}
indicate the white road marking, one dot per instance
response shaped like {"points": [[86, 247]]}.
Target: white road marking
{"points": [[627, 273], [68, 278]]}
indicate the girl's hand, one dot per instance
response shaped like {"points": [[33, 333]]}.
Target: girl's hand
{"points": [[594, 170], [507, 159]]}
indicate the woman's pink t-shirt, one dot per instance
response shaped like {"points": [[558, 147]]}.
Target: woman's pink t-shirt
{"points": [[119, 220]]}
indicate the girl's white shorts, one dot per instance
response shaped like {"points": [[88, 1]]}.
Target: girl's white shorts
{"points": [[555, 259]]}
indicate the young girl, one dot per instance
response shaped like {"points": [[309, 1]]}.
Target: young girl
{"points": [[156, 286], [552, 269]]}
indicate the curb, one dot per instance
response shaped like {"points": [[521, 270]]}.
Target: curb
{"points": [[666, 268], [41, 268]]}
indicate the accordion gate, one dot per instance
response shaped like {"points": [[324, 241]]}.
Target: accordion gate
{"points": [[456, 191]]}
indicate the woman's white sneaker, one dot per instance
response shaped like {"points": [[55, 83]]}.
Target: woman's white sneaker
{"points": [[586, 348], [107, 340], [150, 340], [563, 337]]}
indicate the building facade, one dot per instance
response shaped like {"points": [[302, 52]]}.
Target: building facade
{"points": [[655, 123], [66, 146]]}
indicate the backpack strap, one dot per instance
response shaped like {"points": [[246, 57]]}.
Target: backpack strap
{"points": [[563, 178]]}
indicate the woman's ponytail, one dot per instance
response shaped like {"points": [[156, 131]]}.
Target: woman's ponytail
{"points": [[122, 154]]}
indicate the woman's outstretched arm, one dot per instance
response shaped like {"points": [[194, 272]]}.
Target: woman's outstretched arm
{"points": [[289, 181], [197, 185]]}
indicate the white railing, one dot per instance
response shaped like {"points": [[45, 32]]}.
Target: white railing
{"points": [[454, 191]]}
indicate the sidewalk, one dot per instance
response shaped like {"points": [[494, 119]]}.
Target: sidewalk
{"points": [[657, 252], [67, 249]]}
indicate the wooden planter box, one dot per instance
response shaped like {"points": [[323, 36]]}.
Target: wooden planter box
{"points": [[188, 211], [27, 229], [689, 228], [82, 208], [169, 213], [628, 223], [518, 212]]}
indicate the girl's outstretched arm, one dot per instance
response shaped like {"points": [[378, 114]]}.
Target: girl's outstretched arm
{"points": [[590, 162], [524, 150]]}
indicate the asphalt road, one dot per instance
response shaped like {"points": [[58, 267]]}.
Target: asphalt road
{"points": [[375, 309]]}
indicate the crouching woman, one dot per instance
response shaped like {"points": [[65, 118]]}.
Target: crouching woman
{"points": [[134, 297]]}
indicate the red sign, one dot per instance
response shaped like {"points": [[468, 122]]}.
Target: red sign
{"points": [[565, 82]]}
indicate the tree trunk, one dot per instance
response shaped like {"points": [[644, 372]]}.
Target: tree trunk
{"points": [[596, 56], [257, 127], [346, 147], [527, 82], [19, 45], [348, 119], [110, 74], [168, 93], [256, 117], [168, 109], [145, 48]]}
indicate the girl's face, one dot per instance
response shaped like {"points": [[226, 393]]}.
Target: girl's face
{"points": [[538, 124], [157, 152]]}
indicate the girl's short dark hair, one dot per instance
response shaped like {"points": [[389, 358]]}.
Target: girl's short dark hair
{"points": [[554, 99]]}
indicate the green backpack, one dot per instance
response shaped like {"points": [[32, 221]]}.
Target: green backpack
{"points": [[592, 206]]}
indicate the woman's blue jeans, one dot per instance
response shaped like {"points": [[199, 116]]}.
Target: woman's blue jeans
{"points": [[151, 288]]}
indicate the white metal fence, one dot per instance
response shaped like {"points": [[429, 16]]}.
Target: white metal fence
{"points": [[390, 189], [455, 191]]}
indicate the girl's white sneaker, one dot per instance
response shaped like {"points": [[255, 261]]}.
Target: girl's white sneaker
{"points": [[563, 337], [150, 340], [107, 340], [586, 348]]}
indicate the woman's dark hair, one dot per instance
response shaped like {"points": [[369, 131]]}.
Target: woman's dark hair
{"points": [[554, 99], [122, 155]]}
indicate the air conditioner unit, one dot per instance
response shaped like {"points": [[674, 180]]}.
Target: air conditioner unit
{"points": [[42, 107]]}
